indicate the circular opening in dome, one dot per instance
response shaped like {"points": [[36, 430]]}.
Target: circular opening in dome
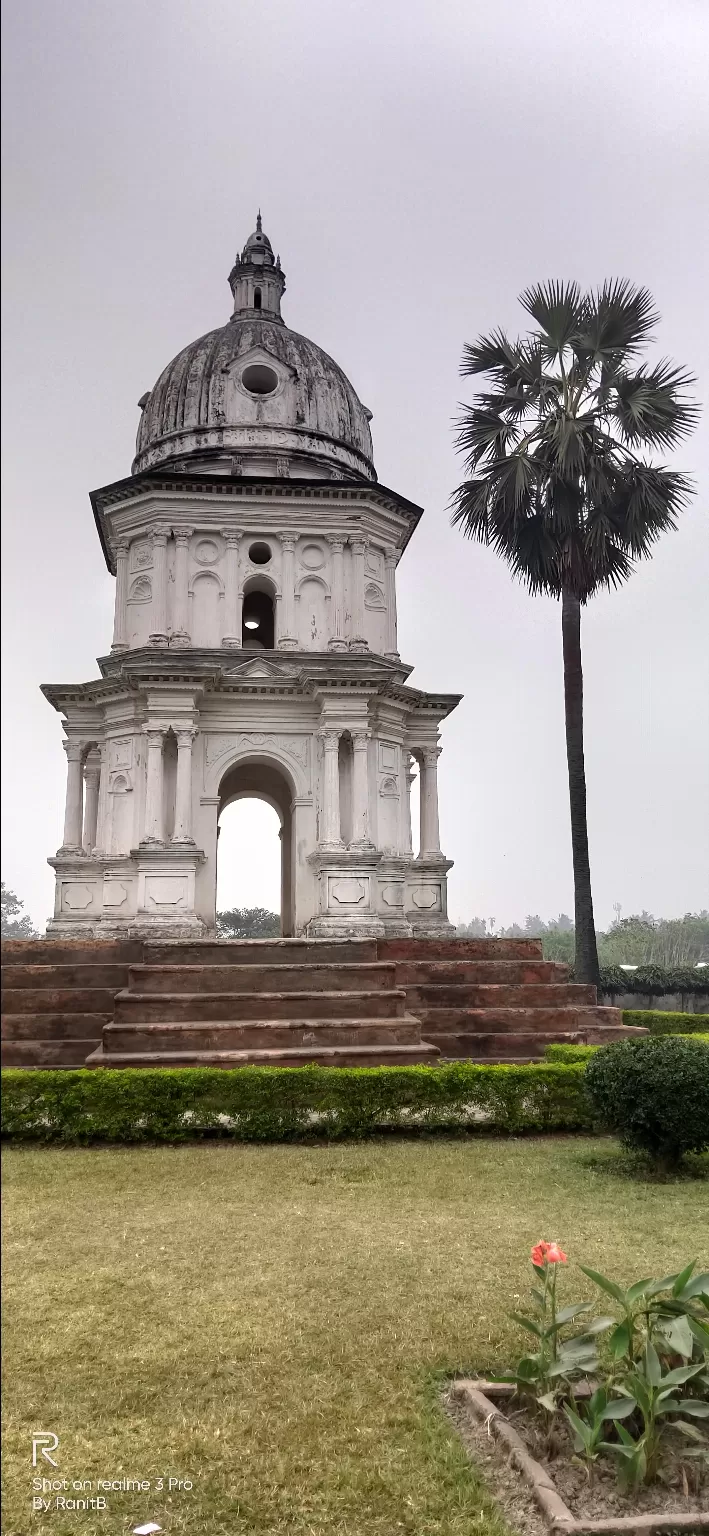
{"points": [[259, 554], [259, 379]]}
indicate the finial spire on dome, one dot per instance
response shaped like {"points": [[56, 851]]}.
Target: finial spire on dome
{"points": [[257, 280]]}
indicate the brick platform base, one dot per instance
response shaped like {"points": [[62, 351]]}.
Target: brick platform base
{"points": [[287, 1002]]}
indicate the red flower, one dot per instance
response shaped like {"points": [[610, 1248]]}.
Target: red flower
{"points": [[547, 1253]]}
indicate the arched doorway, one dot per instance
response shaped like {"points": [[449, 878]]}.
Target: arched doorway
{"points": [[257, 780]]}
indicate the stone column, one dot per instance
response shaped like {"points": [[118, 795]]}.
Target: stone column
{"points": [[158, 633], [103, 842], [360, 787], [337, 641], [92, 778], [409, 776], [390, 646], [183, 786], [153, 829], [120, 638], [331, 789], [180, 626], [430, 837], [232, 618], [288, 639], [357, 641], [74, 797]]}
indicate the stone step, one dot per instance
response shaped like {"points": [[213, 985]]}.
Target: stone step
{"points": [[64, 976], [257, 1034], [513, 1045], [324, 1056], [555, 994], [449, 973], [54, 1026], [473, 1021], [70, 951], [258, 951], [58, 1000], [146, 1007], [311, 977], [45, 1053], [459, 949]]}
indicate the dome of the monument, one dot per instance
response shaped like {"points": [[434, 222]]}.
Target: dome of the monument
{"points": [[254, 397]]}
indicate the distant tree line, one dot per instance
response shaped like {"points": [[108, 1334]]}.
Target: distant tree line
{"points": [[642, 939], [248, 923], [13, 923]]}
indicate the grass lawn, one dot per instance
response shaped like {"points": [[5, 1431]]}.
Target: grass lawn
{"points": [[271, 1322]]}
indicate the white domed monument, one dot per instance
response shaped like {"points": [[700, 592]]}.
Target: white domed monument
{"points": [[254, 654]]}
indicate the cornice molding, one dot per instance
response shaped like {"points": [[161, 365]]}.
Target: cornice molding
{"points": [[244, 488]]}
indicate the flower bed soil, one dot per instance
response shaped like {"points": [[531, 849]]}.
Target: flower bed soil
{"points": [[539, 1486]]}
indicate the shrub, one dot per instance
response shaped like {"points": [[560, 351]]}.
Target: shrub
{"points": [[284, 1103], [653, 978], [667, 1023], [580, 1053], [654, 1094]]}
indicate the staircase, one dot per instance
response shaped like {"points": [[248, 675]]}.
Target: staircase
{"points": [[279, 1004], [57, 997], [288, 1002], [497, 999]]}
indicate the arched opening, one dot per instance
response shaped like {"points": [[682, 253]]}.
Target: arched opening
{"points": [[258, 620], [255, 865], [257, 298]]}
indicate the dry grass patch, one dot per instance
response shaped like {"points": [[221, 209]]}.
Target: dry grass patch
{"points": [[274, 1322]]}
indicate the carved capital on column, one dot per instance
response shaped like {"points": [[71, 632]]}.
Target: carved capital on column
{"points": [[336, 543], [429, 756], [74, 750], [358, 545], [121, 547], [288, 540], [184, 735], [161, 533], [183, 536], [330, 740], [390, 558], [232, 537], [154, 734], [360, 740], [92, 767]]}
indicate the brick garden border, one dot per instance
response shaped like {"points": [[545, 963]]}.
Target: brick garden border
{"points": [[477, 1395]]}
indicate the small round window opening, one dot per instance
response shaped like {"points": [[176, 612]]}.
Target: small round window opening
{"points": [[259, 379], [259, 554]]}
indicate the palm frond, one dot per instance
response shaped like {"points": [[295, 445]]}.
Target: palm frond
{"points": [[649, 406], [646, 503], [494, 354], [615, 321], [556, 307], [470, 510], [482, 430]]}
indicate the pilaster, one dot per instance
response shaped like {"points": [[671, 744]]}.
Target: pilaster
{"points": [[158, 633]]}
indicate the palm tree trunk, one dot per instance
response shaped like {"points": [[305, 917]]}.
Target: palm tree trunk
{"points": [[586, 967]]}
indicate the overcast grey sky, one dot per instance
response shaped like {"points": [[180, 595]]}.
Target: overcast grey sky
{"points": [[417, 164]]}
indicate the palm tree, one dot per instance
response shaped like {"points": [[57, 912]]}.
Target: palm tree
{"points": [[562, 481]]}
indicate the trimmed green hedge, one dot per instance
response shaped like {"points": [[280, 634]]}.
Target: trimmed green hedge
{"points": [[570, 1055], [573, 1054], [284, 1103], [652, 978], [668, 1023]]}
